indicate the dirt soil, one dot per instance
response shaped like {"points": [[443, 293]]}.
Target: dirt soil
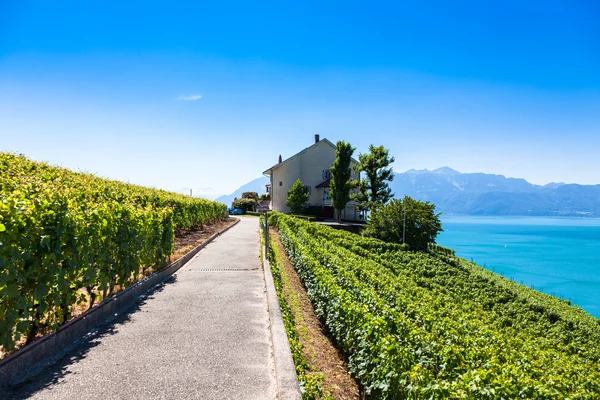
{"points": [[318, 350], [191, 239]]}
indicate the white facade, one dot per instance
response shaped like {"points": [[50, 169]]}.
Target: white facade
{"points": [[311, 166]]}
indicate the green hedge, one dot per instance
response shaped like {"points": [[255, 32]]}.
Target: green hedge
{"points": [[62, 231], [418, 325]]}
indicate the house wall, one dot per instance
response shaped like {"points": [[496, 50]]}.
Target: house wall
{"points": [[314, 161], [286, 174], [308, 167]]}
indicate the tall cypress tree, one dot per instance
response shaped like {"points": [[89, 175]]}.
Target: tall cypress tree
{"points": [[373, 189], [340, 178]]}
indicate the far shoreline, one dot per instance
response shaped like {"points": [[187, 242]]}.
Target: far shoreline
{"points": [[521, 219]]}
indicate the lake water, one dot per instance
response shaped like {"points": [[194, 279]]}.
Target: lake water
{"points": [[559, 256]]}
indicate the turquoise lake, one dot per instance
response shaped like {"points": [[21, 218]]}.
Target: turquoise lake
{"points": [[559, 256]]}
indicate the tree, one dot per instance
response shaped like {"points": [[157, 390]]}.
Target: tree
{"points": [[373, 189], [245, 204], [297, 197], [422, 223], [340, 177], [250, 195]]}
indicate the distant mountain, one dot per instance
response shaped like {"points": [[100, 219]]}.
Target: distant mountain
{"points": [[481, 194], [257, 185], [485, 194], [554, 185]]}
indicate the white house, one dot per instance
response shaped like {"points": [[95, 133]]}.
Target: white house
{"points": [[312, 166]]}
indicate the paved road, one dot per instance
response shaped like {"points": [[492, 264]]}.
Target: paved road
{"points": [[205, 334]]}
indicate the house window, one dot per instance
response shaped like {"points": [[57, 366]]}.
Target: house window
{"points": [[326, 174], [309, 189], [280, 183], [326, 195]]}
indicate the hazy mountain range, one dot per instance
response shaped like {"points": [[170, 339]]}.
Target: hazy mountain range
{"points": [[481, 194], [257, 185], [486, 194]]}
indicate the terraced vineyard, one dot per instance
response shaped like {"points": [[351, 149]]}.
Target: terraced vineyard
{"points": [[418, 325], [61, 232]]}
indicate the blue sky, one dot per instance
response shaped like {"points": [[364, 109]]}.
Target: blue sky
{"points": [[192, 94]]}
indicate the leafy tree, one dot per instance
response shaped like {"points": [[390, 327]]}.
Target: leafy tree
{"points": [[245, 204], [340, 177], [373, 189], [250, 195], [298, 197], [422, 223]]}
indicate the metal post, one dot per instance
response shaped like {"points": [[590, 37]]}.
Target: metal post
{"points": [[404, 223], [267, 228], [266, 233]]}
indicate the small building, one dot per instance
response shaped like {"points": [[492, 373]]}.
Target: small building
{"points": [[312, 166]]}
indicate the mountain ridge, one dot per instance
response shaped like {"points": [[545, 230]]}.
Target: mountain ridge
{"points": [[256, 185], [479, 193], [489, 194]]}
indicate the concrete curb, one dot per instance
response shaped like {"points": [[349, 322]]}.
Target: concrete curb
{"points": [[30, 360], [288, 387]]}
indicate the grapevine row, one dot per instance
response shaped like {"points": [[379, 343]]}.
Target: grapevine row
{"points": [[67, 237], [415, 325]]}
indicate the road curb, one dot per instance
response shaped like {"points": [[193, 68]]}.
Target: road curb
{"points": [[30, 360], [288, 387]]}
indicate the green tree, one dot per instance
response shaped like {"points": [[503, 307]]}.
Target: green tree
{"points": [[373, 189], [422, 223], [250, 195], [298, 197], [340, 177], [244, 203], [247, 202]]}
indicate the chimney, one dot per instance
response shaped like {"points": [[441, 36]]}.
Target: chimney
{"points": [[280, 159], [316, 138]]}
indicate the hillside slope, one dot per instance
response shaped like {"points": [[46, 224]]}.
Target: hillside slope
{"points": [[431, 325]]}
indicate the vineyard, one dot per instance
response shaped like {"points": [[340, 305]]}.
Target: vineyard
{"points": [[419, 325], [68, 238]]}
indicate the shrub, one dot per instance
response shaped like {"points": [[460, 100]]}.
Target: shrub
{"points": [[297, 197], [245, 204], [422, 224]]}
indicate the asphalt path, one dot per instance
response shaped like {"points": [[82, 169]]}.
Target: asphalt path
{"points": [[204, 334]]}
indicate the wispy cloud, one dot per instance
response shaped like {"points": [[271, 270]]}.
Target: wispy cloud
{"points": [[190, 97]]}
